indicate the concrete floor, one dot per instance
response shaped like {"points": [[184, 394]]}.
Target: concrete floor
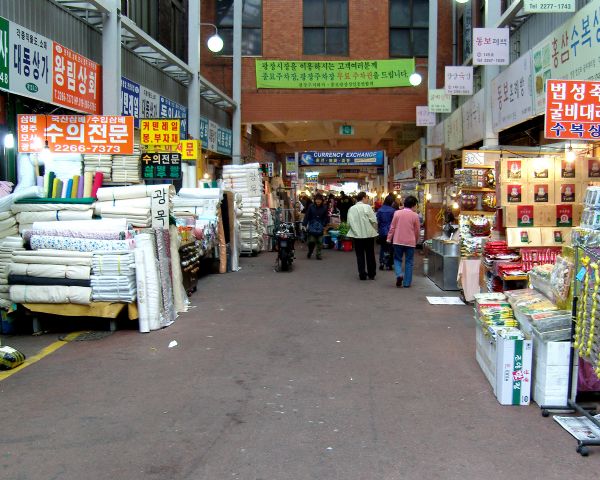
{"points": [[311, 374]]}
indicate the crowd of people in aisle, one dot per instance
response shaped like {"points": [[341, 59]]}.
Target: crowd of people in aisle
{"points": [[396, 228]]}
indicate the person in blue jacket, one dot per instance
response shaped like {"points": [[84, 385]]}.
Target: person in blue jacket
{"points": [[384, 220]]}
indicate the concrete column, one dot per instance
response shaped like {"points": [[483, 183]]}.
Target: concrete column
{"points": [[432, 71], [385, 173], [111, 60], [194, 86], [236, 126], [492, 16]]}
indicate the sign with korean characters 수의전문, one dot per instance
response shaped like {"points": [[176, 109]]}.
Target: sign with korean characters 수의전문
{"points": [[161, 165], [159, 132], [491, 46], [76, 133], [572, 111], [458, 80], [335, 74]]}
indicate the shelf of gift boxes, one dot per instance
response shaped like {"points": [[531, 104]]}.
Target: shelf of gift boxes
{"points": [[478, 189], [476, 212]]}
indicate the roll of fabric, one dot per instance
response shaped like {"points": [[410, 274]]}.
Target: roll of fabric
{"points": [[98, 178], [164, 267], [141, 202], [46, 281], [69, 191], [203, 193], [75, 187], [134, 191], [54, 215], [148, 283], [75, 272], [50, 294], [103, 225], [78, 244], [50, 207], [180, 298], [88, 184]]}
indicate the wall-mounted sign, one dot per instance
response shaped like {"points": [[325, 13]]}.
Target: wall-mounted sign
{"points": [[161, 165], [478, 158], [34, 66], [458, 81], [491, 46], [290, 166], [160, 207], [266, 169], [571, 110], [439, 101], [346, 130], [453, 134], [76, 133], [548, 6], [160, 132], [75, 80], [512, 98], [334, 74], [425, 118], [473, 116], [189, 149], [570, 51], [373, 158]]}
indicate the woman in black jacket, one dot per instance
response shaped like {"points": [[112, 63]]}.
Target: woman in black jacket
{"points": [[315, 220]]}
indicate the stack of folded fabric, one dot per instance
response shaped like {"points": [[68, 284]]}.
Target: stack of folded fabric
{"points": [[247, 181], [50, 276], [105, 229], [8, 245], [133, 203], [126, 169], [197, 201], [29, 211], [98, 163], [113, 277], [8, 225]]}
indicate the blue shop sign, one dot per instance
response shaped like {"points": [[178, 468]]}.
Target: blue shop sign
{"points": [[224, 137], [130, 100], [172, 109], [363, 159]]}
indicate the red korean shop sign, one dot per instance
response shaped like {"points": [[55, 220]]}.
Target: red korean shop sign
{"points": [[572, 110], [76, 133], [75, 80]]}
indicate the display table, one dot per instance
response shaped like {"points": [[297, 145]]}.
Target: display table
{"points": [[443, 270], [109, 310], [468, 277]]}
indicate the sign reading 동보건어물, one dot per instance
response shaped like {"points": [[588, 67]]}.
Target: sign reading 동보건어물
{"points": [[290, 74], [366, 159]]}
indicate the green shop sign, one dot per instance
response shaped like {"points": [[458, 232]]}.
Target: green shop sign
{"points": [[4, 49], [340, 74]]}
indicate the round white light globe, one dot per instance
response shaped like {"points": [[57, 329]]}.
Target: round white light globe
{"points": [[415, 79], [215, 43]]}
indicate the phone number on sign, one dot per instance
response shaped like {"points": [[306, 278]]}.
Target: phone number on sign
{"points": [[87, 148]]}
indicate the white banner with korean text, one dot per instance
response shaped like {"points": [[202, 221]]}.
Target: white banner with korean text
{"points": [[473, 117]]}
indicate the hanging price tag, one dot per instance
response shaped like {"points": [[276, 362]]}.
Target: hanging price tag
{"points": [[581, 274]]}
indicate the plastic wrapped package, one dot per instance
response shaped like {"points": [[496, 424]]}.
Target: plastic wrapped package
{"points": [[592, 197], [560, 278]]}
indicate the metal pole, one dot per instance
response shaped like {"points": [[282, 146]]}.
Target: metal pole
{"points": [[237, 83], [111, 60], [432, 70], [194, 86], [386, 185]]}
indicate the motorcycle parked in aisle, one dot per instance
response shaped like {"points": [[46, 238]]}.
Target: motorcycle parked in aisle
{"points": [[285, 237]]}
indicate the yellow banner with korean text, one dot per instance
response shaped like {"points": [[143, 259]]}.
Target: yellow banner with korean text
{"points": [[292, 74], [160, 131]]}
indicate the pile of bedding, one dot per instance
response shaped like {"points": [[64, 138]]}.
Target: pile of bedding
{"points": [[29, 213], [113, 277], [50, 276], [8, 245], [126, 169], [246, 181], [98, 163]]}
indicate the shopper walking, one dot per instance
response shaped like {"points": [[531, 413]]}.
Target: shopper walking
{"points": [[344, 204], [384, 220], [315, 220], [404, 235], [363, 229]]}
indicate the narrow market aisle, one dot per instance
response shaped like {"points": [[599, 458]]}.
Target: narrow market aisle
{"points": [[311, 374]]}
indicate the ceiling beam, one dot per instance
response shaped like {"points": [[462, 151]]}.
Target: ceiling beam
{"points": [[333, 142], [381, 129], [277, 129]]}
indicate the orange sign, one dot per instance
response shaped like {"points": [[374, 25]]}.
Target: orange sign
{"points": [[76, 133], [160, 132], [572, 110], [76, 80]]}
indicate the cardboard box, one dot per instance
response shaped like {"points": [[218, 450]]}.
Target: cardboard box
{"points": [[485, 354], [541, 192], [551, 353], [555, 236], [591, 169], [568, 171], [568, 215], [514, 194], [540, 169], [513, 371], [524, 237], [529, 216], [513, 170], [568, 192]]}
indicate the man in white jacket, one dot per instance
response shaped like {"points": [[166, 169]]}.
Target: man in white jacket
{"points": [[363, 229]]}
